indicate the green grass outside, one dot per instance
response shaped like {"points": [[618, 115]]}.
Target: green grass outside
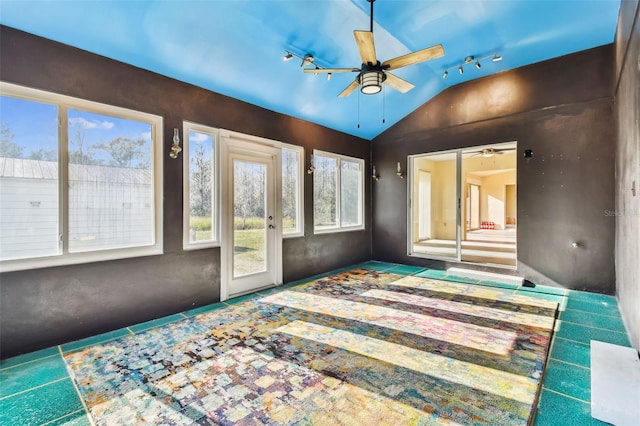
{"points": [[248, 254], [202, 226]]}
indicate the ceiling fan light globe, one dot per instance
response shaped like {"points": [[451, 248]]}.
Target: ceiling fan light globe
{"points": [[371, 89]]}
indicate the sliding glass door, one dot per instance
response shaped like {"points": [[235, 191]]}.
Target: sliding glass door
{"points": [[434, 220], [463, 205]]}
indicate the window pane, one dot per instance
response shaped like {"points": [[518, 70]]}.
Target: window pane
{"points": [[201, 187], [325, 178], [111, 202], [350, 194], [290, 191], [29, 210], [249, 217]]}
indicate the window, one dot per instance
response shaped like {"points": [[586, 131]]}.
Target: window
{"points": [[79, 181], [338, 188], [292, 191], [200, 186]]}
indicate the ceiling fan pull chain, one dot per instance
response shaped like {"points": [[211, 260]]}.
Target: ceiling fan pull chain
{"points": [[383, 106], [358, 110]]}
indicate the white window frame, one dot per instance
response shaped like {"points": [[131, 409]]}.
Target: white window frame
{"points": [[64, 103], [339, 227], [188, 126], [300, 207]]}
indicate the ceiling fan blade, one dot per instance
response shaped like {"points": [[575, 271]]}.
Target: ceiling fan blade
{"points": [[366, 46], [329, 70], [397, 83], [414, 58], [350, 88]]}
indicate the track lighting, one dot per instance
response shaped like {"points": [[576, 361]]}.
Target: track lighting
{"points": [[471, 60], [307, 60]]}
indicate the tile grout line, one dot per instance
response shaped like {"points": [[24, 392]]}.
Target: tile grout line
{"points": [[27, 362], [78, 394], [568, 363], [565, 395], [547, 367], [63, 417], [34, 388], [97, 342], [546, 370], [572, 341], [595, 328], [593, 313]]}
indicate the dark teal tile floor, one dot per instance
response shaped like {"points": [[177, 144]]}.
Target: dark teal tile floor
{"points": [[35, 389]]}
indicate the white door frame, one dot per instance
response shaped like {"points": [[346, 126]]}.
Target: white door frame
{"points": [[238, 143], [424, 205]]}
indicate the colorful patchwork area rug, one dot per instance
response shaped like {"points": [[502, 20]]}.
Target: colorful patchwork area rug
{"points": [[355, 348]]}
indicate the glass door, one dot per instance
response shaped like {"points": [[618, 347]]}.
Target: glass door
{"points": [[489, 175], [251, 250], [435, 210], [463, 205], [250, 219]]}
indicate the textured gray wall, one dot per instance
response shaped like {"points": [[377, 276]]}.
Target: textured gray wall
{"points": [[628, 168], [562, 110], [49, 306]]}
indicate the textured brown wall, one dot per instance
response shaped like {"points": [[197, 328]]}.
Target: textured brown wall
{"points": [[49, 306], [628, 168], [562, 110]]}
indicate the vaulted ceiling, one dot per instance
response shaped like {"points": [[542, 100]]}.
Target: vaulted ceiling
{"points": [[236, 47]]}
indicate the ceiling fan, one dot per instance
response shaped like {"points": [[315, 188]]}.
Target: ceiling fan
{"points": [[372, 73], [489, 152]]}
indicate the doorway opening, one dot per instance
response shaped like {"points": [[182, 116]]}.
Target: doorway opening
{"points": [[465, 207]]}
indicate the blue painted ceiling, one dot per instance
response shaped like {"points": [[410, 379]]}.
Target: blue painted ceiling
{"points": [[236, 47]]}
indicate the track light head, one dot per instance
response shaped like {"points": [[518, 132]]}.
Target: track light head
{"points": [[307, 60], [496, 58], [445, 74], [478, 65], [288, 57], [461, 70]]}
